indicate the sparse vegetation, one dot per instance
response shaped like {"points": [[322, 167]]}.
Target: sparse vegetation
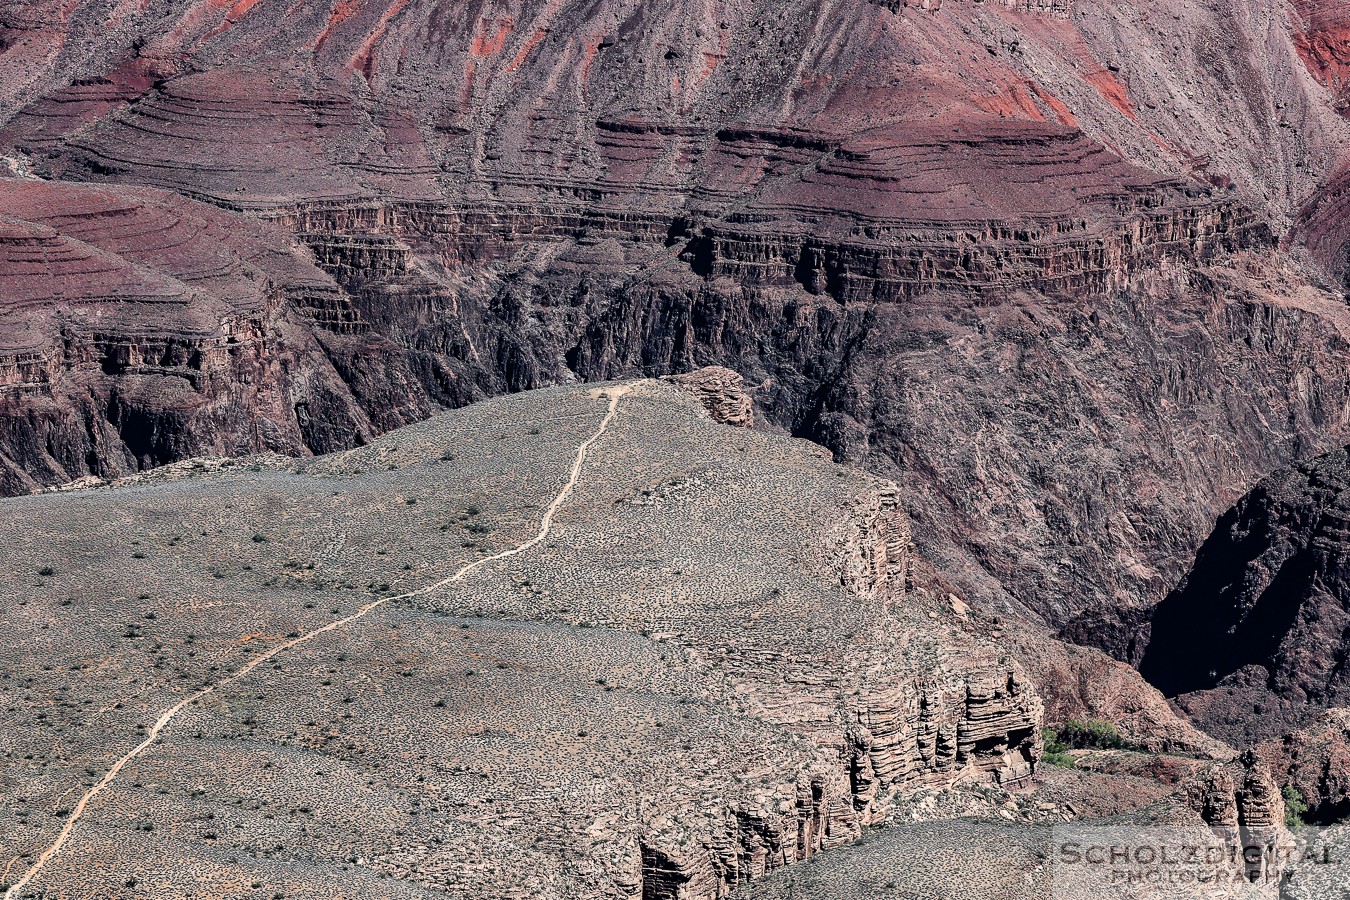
{"points": [[1295, 806], [299, 710], [1091, 735], [1056, 753]]}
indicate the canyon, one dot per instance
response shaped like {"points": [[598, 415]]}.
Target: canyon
{"points": [[1061, 241], [1262, 612], [1066, 278]]}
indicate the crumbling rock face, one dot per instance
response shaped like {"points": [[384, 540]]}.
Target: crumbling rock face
{"points": [[1242, 803], [980, 722], [1315, 761], [1253, 638], [1239, 794], [874, 551], [875, 557], [1059, 9], [753, 844], [722, 393], [974, 716]]}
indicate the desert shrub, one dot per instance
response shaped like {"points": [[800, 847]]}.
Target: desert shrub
{"points": [[1091, 735], [1295, 807], [1056, 753]]}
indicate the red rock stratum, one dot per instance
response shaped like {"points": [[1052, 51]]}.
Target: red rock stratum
{"points": [[1075, 265]]}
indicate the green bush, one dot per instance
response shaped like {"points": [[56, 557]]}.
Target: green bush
{"points": [[1092, 735], [1056, 753], [1295, 807], [1059, 758], [1075, 735]]}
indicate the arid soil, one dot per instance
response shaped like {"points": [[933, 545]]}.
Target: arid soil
{"points": [[982, 315], [603, 646]]}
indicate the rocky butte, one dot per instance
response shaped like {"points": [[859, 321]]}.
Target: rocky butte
{"points": [[723, 658], [1053, 283]]}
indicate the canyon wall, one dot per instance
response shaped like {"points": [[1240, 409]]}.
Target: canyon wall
{"points": [[1059, 263], [925, 699], [141, 328], [1263, 614]]}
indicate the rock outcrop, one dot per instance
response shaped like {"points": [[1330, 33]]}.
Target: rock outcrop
{"points": [[1240, 794], [1315, 762], [1243, 807], [722, 393], [874, 551]]}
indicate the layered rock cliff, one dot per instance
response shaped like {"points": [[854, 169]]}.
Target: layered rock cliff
{"points": [[1239, 794], [141, 328], [889, 245], [977, 713], [722, 393]]}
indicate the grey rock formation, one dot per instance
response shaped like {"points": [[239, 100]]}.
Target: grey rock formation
{"points": [[723, 659]]}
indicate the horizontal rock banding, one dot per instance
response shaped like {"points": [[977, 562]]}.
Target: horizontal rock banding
{"points": [[891, 215], [140, 327]]}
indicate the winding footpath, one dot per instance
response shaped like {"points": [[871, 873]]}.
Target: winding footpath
{"points": [[545, 524]]}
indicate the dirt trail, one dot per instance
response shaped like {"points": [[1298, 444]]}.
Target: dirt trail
{"points": [[545, 523]]}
